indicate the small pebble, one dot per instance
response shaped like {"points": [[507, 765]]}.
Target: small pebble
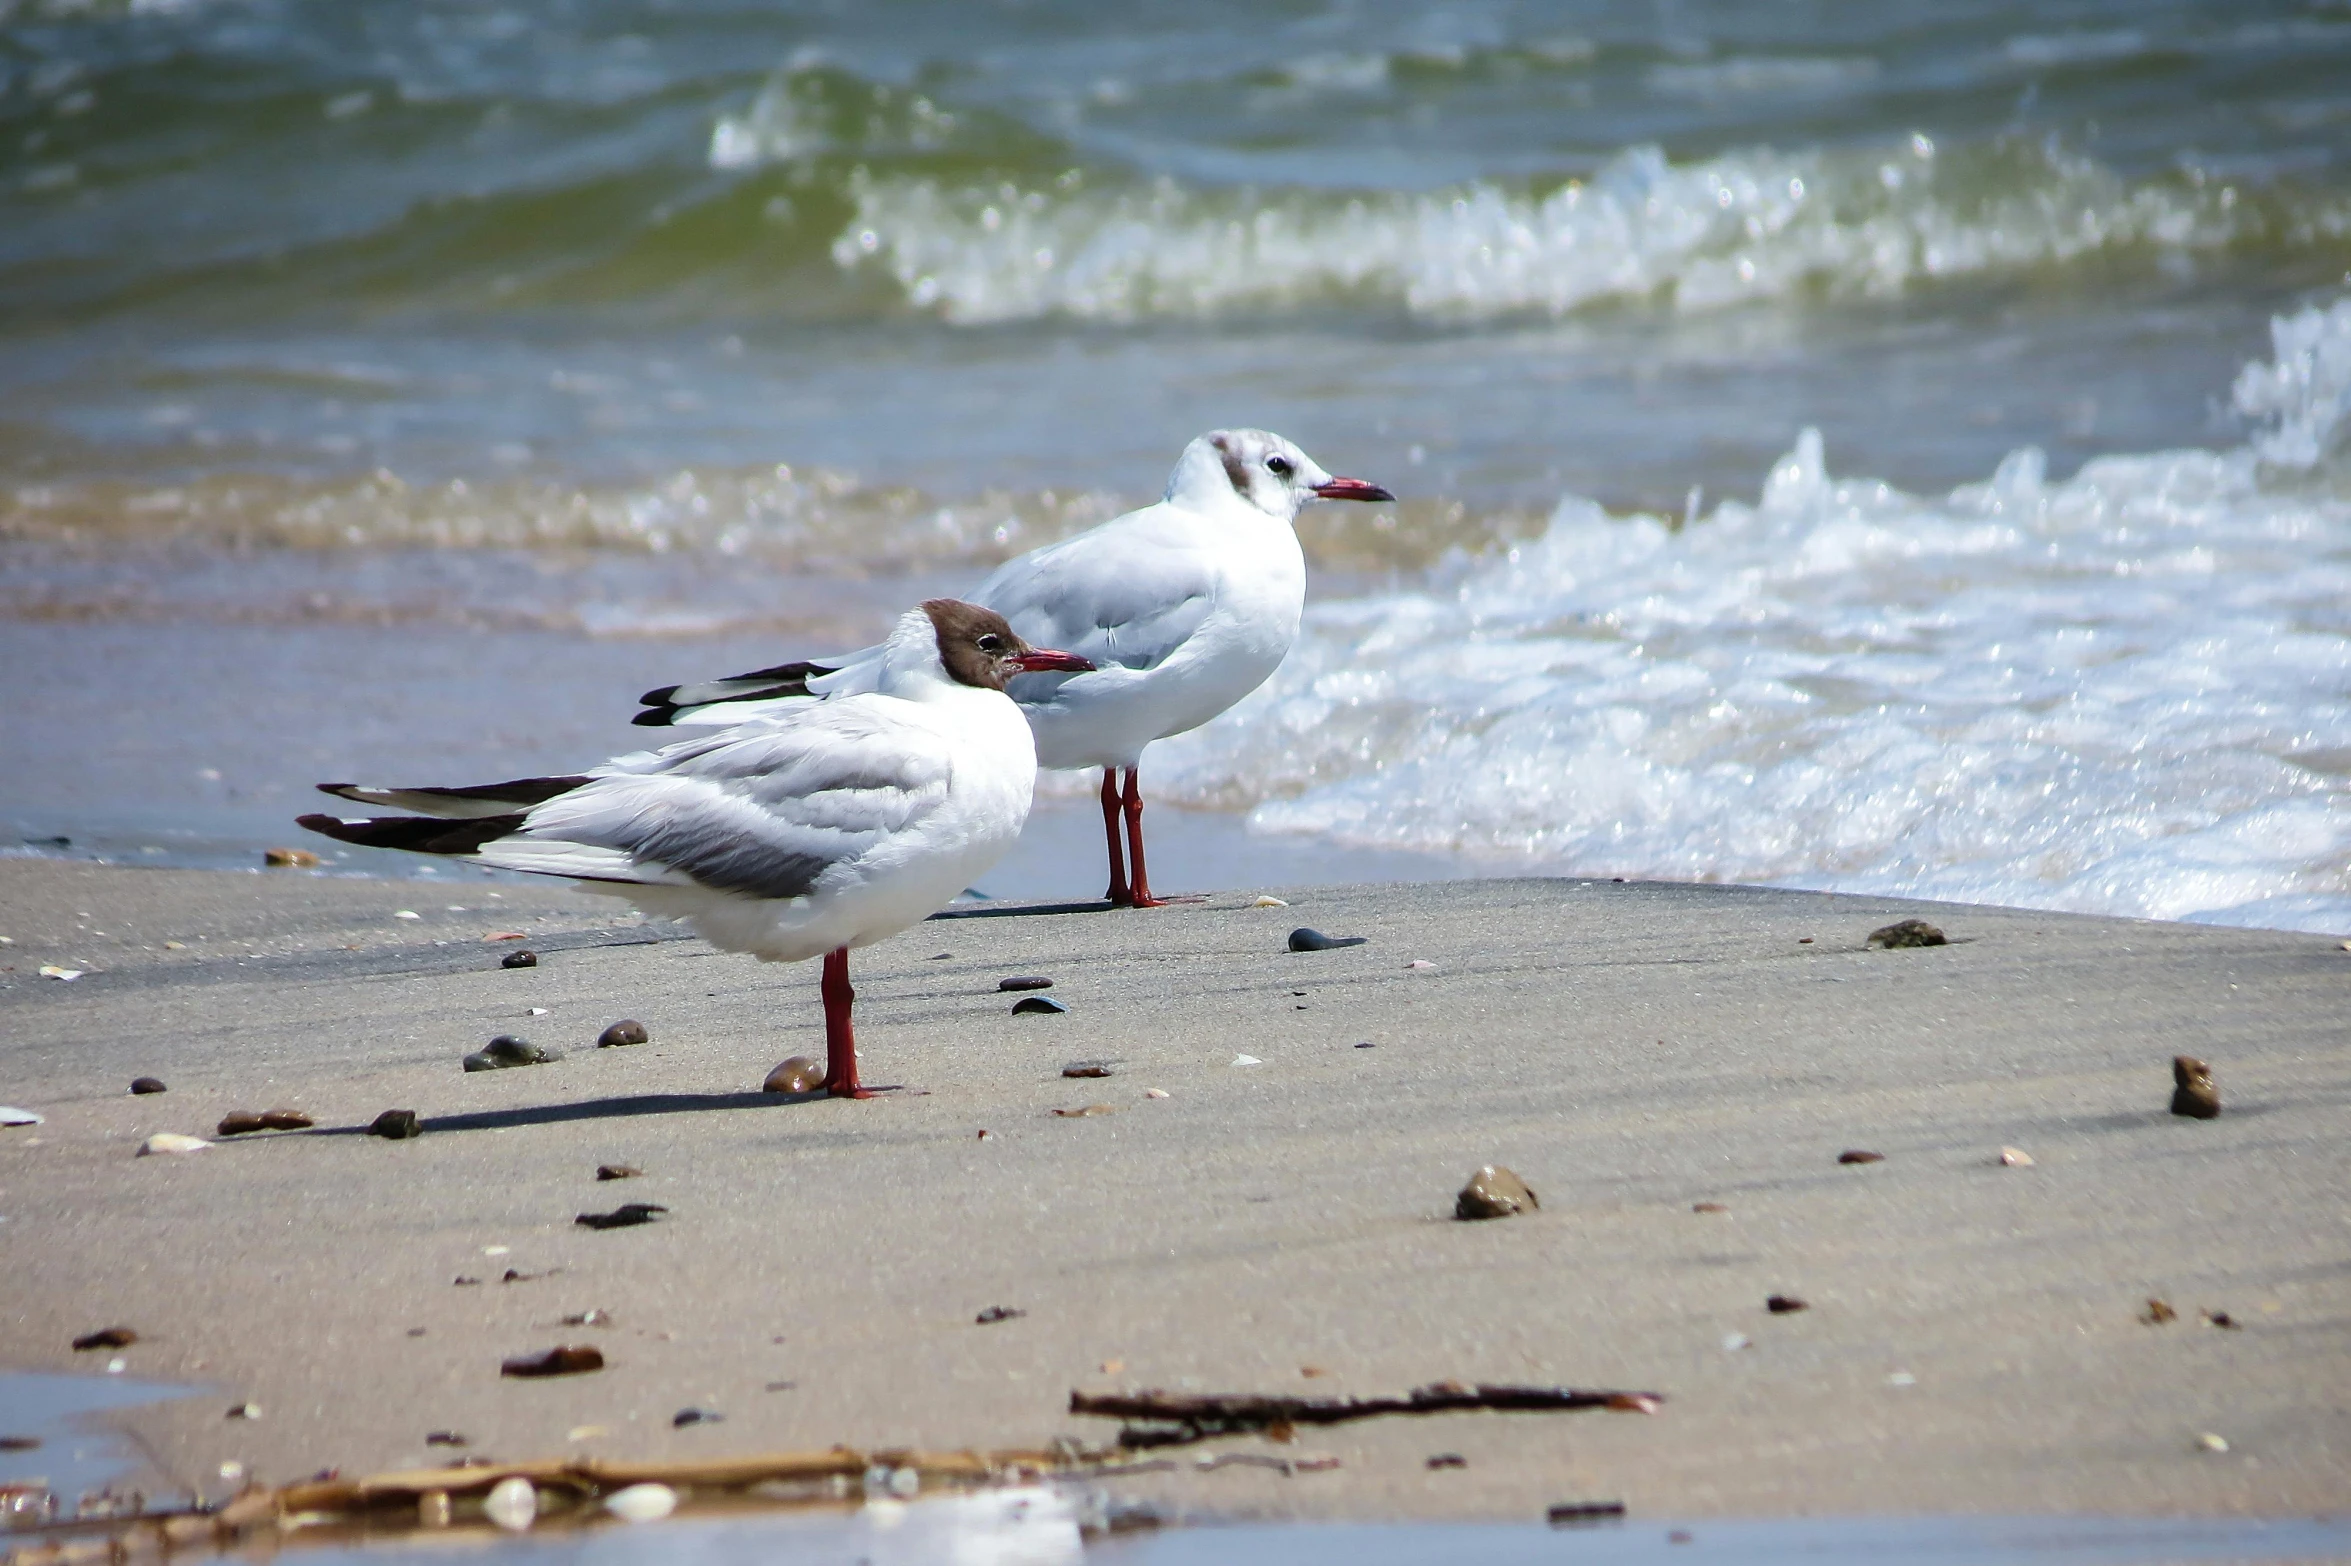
{"points": [[1447, 1460], [2212, 1443], [1247, 1060], [507, 1050], [406, 913], [641, 1503], [243, 1411], [1570, 1513], [622, 1033], [512, 1504], [1303, 939], [1155, 1092], [237, 1122], [2194, 1093], [996, 1313], [1494, 1192], [105, 1338], [289, 858], [534, 1011], [693, 1416], [1029, 983], [523, 957], [50, 970], [2016, 1158], [626, 1216], [147, 1085], [1732, 1342], [617, 1171], [1901, 1378], [1039, 1003], [2221, 1319], [588, 1318], [1907, 932], [172, 1142], [565, 1360], [1857, 1156], [1708, 1207], [396, 1125], [2158, 1312], [445, 1438], [1086, 1068], [1090, 1109], [1785, 1304], [796, 1075], [19, 1443], [1420, 962]]}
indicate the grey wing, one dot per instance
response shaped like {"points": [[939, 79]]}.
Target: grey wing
{"points": [[1108, 596], [767, 810]]}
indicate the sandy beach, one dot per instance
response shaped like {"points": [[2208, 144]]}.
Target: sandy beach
{"points": [[1973, 1341]]}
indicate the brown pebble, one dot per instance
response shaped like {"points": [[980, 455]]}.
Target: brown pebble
{"points": [[617, 1171], [2194, 1093], [1568, 1514], [1448, 1460], [396, 1124], [564, 1360], [289, 858], [1280, 1430], [445, 1438], [1090, 1109], [105, 1338], [17, 1443], [797, 1075], [627, 1031], [1031, 982], [1708, 1207], [237, 1122], [524, 958], [1086, 1068], [1907, 932], [1784, 1304], [286, 1120], [1855, 1155], [996, 1313], [2221, 1318], [147, 1085], [626, 1216], [1494, 1192], [2158, 1312]]}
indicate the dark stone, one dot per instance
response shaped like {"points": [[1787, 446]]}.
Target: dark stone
{"points": [[996, 1313], [1784, 1304], [445, 1438], [2193, 1093], [565, 1360], [1039, 1003], [147, 1085], [1304, 940], [1030, 983], [286, 1120], [1448, 1460], [396, 1124], [1571, 1513], [796, 1075], [1708, 1207], [1857, 1155], [627, 1031], [522, 957], [507, 1050], [626, 1216], [237, 1122], [1494, 1192], [617, 1171], [105, 1338], [694, 1416], [1087, 1068], [12, 1443], [1907, 932]]}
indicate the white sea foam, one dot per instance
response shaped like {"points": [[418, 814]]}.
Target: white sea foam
{"points": [[1750, 225], [2126, 693]]}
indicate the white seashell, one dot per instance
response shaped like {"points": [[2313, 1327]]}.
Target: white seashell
{"points": [[1247, 1060], [642, 1503], [1732, 1342], [172, 1142], [1901, 1378], [10, 1115], [1269, 902], [50, 970], [512, 1504], [2213, 1443], [410, 913], [2016, 1158], [1420, 962], [1155, 1092]]}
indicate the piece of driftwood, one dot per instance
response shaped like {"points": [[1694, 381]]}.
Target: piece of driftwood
{"points": [[1175, 1418]]}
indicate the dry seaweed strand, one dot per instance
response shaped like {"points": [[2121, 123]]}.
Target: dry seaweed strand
{"points": [[1177, 1418]]}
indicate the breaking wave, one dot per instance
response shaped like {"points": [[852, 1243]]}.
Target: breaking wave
{"points": [[2126, 693]]}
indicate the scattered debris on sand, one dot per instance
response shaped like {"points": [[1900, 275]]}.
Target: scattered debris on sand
{"points": [[1156, 1418], [1907, 932], [1494, 1192]]}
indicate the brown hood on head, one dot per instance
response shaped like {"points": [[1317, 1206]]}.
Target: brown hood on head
{"points": [[977, 647]]}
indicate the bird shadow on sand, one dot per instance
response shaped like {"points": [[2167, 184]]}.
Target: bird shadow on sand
{"points": [[594, 1109], [1021, 910]]}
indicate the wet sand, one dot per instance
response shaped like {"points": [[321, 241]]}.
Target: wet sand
{"points": [[1973, 1342]]}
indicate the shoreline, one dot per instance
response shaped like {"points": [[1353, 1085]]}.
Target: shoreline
{"points": [[1630, 1049]]}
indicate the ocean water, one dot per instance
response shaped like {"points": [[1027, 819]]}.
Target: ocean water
{"points": [[1895, 447]]}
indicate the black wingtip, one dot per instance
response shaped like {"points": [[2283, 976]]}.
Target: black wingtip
{"points": [[417, 834], [659, 698], [656, 718]]}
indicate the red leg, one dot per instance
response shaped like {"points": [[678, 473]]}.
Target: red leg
{"points": [[1141, 886], [1118, 893], [840, 1040]]}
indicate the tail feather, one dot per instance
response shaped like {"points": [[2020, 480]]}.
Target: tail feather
{"points": [[678, 703], [418, 834], [473, 801]]}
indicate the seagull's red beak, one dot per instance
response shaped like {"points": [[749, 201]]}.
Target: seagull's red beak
{"points": [[1044, 660], [1351, 489]]}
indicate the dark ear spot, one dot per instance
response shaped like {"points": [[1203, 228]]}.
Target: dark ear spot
{"points": [[1236, 471]]}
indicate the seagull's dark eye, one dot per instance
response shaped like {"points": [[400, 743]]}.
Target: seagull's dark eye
{"points": [[990, 642], [1279, 467]]}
